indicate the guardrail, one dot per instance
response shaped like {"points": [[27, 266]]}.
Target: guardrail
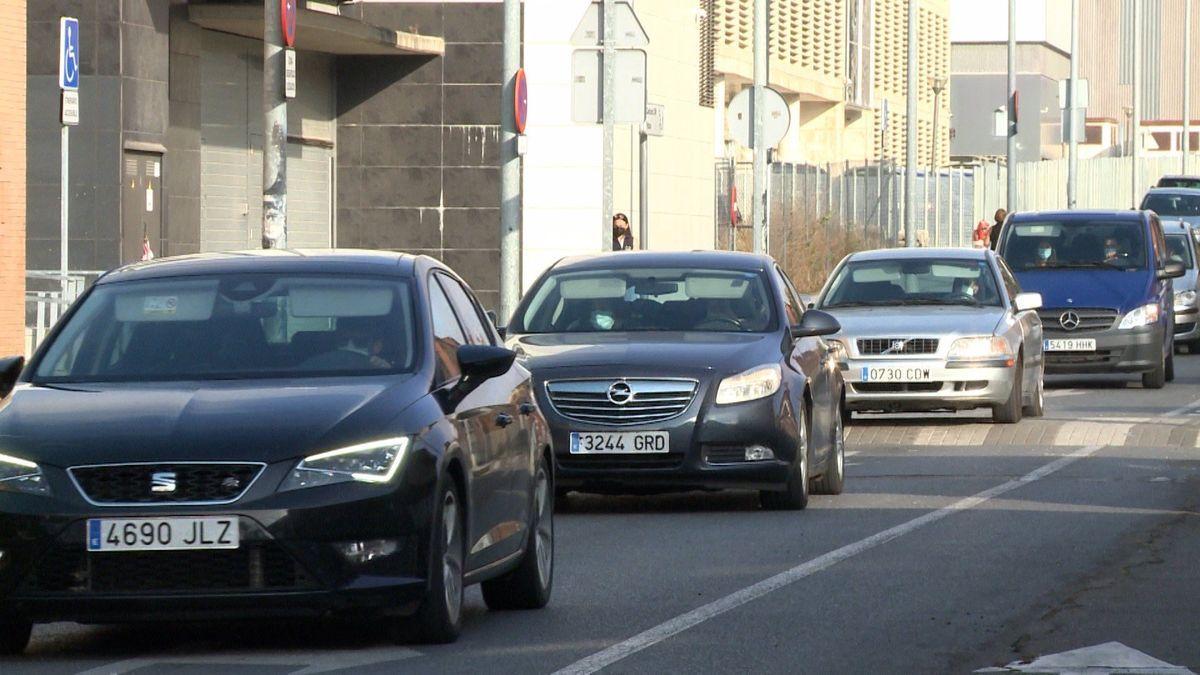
{"points": [[48, 295]]}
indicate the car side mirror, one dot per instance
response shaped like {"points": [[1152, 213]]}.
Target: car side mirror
{"points": [[483, 362], [10, 370], [815, 322], [1172, 270], [1024, 302]]}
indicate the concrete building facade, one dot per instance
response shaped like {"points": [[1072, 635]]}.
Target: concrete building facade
{"points": [[12, 179]]}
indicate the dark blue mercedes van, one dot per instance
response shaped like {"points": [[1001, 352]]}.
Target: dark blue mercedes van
{"points": [[1105, 279]]}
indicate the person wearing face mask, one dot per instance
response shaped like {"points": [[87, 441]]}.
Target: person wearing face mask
{"points": [[622, 234], [1112, 250], [1045, 254]]}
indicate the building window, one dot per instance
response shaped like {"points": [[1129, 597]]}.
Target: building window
{"points": [[859, 57]]}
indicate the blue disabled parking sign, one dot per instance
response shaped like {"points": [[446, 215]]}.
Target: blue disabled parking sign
{"points": [[68, 53]]}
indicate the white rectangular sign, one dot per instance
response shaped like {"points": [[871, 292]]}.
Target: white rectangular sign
{"points": [[587, 81], [656, 119], [289, 73], [70, 107]]}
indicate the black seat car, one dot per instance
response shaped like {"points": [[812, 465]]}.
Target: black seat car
{"points": [[676, 371], [297, 433]]}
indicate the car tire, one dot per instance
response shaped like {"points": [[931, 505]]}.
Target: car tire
{"points": [[1170, 374], [795, 496], [439, 617], [1038, 407], [1157, 378], [14, 636], [1009, 412], [833, 479], [528, 586]]}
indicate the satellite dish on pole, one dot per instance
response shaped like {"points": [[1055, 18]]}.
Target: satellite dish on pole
{"points": [[741, 122]]}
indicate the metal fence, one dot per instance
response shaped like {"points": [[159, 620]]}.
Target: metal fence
{"points": [[1103, 182], [47, 297]]}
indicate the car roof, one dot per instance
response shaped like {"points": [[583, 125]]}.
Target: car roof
{"points": [[1174, 190], [722, 260], [1176, 227], [1184, 176], [338, 261], [1083, 214], [918, 253]]}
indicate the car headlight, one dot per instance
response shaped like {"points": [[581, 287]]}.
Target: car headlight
{"points": [[979, 349], [22, 475], [838, 349], [374, 462], [750, 385], [1185, 299], [1142, 316]]}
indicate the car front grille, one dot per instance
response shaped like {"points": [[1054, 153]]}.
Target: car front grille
{"points": [[671, 460], [1098, 357], [896, 387], [165, 483], [1089, 318], [897, 346], [624, 401], [254, 566]]}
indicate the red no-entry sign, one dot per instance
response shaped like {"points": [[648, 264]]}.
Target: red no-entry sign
{"points": [[287, 15], [520, 100]]}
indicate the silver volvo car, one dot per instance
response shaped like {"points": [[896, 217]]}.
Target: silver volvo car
{"points": [[928, 329]]}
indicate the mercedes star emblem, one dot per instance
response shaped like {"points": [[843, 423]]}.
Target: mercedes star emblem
{"points": [[1069, 320]]}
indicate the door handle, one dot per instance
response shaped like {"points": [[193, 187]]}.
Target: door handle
{"points": [[503, 420], [527, 408]]}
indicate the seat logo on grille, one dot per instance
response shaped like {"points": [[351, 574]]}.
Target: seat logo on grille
{"points": [[620, 393], [1069, 320], [162, 481]]}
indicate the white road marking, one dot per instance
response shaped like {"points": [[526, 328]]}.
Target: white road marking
{"points": [[851, 453], [683, 622], [1053, 393], [306, 663], [1110, 657]]}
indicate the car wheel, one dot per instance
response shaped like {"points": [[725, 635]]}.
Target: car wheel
{"points": [[1009, 412], [795, 496], [1157, 378], [439, 617], [1171, 366], [1037, 407], [528, 586], [14, 636], [834, 477]]}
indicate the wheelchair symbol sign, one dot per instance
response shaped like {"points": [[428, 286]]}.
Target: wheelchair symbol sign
{"points": [[68, 53]]}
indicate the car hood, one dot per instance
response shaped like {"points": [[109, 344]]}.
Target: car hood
{"points": [[647, 352], [916, 321], [1111, 289], [69, 425]]}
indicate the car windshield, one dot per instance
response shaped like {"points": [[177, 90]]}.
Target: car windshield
{"points": [[922, 281], [226, 327], [1179, 248], [1065, 244], [1176, 204], [670, 299]]}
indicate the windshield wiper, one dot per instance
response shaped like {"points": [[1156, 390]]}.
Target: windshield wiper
{"points": [[866, 303], [966, 302]]}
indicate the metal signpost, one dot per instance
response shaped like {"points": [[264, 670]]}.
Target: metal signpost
{"points": [[654, 126], [279, 31], [68, 83], [514, 108]]}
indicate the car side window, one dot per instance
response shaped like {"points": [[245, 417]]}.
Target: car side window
{"points": [[447, 334], [469, 315], [791, 299], [1160, 242], [1010, 280]]}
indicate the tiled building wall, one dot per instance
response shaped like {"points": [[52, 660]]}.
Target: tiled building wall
{"points": [[12, 179]]}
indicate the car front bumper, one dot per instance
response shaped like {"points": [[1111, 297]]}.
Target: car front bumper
{"points": [[1187, 328], [947, 388], [1134, 350], [292, 557]]}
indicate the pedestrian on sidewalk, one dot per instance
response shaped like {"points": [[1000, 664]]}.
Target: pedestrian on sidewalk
{"points": [[622, 234], [994, 233]]}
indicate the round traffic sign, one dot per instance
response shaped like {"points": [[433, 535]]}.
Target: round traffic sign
{"points": [[775, 122], [520, 100], [287, 16]]}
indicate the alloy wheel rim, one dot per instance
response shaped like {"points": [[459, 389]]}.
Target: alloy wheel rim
{"points": [[839, 447], [543, 529], [451, 557]]}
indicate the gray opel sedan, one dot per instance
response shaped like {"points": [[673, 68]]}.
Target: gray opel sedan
{"points": [[929, 329]]}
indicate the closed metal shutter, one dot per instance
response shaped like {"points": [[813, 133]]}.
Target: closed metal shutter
{"points": [[231, 147]]}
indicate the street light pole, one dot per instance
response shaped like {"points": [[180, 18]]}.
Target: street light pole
{"points": [[1187, 82], [1072, 107], [274, 186], [1011, 150], [1136, 121], [758, 104], [608, 60], [910, 144], [510, 165]]}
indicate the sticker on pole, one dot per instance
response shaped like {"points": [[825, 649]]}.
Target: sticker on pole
{"points": [[68, 53], [520, 100], [287, 15]]}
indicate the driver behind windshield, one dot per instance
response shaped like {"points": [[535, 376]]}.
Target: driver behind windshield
{"points": [[358, 346], [1045, 254]]}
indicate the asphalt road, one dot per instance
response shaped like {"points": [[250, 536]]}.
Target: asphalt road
{"points": [[957, 546]]}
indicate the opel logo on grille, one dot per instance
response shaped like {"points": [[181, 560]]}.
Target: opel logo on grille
{"points": [[620, 393], [162, 481], [1069, 320]]}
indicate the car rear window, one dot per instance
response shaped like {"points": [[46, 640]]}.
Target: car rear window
{"points": [[1069, 243], [596, 301], [1172, 204], [1179, 248], [224, 327]]}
